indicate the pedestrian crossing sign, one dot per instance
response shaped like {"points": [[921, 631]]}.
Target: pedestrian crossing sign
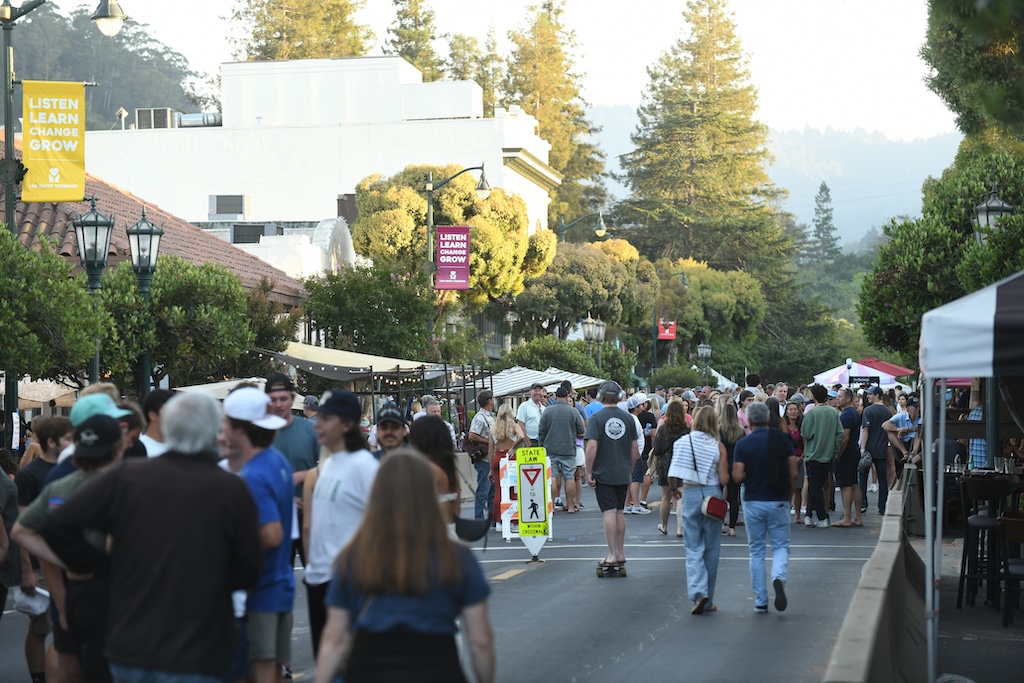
{"points": [[533, 486]]}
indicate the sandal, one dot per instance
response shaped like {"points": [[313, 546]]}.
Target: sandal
{"points": [[663, 530], [732, 532]]}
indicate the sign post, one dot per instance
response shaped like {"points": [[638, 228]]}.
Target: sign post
{"points": [[535, 509]]}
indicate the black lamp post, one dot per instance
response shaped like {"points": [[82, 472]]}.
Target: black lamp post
{"points": [[11, 169], [986, 219], [704, 353], [144, 242], [600, 229], [483, 190], [93, 231], [599, 330], [593, 331]]}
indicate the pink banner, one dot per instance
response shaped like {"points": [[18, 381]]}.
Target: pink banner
{"points": [[452, 257]]}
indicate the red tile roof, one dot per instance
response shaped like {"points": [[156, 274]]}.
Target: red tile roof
{"points": [[180, 237]]}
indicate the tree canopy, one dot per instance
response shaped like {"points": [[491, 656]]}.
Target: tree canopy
{"points": [[412, 37], [49, 322], [301, 29], [541, 79]]}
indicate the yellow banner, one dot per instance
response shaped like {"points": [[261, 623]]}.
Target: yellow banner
{"points": [[53, 143]]}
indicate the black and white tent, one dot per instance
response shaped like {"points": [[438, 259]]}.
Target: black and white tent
{"points": [[978, 335]]}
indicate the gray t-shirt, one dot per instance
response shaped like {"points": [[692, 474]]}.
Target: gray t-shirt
{"points": [[878, 440], [614, 431], [298, 443], [559, 425]]}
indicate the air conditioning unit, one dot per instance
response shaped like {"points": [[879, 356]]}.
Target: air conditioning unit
{"points": [[250, 233], [230, 207], [156, 117]]}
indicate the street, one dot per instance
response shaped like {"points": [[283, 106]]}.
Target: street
{"points": [[557, 621]]}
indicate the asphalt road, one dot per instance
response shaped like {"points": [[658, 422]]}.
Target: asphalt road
{"points": [[557, 621]]}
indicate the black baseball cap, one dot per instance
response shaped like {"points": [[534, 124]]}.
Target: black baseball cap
{"points": [[95, 438], [341, 403], [390, 412], [876, 390], [279, 382]]}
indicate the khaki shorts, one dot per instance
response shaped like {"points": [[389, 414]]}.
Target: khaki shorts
{"points": [[270, 636]]}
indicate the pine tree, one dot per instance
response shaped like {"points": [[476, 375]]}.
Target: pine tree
{"points": [[541, 80], [412, 37], [823, 247], [490, 72], [464, 58], [698, 174], [301, 29]]}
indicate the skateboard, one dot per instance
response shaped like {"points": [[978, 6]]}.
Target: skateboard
{"points": [[610, 570]]}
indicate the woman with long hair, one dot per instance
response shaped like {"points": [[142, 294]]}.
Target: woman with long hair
{"points": [[791, 423], [399, 586], [698, 469], [430, 436], [730, 431], [506, 435], [671, 429]]}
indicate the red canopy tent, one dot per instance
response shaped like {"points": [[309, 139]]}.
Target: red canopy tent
{"points": [[887, 368]]}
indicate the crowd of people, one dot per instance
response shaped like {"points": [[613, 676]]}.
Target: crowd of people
{"points": [[171, 557], [116, 507]]}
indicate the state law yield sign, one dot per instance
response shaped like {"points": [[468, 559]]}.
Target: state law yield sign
{"points": [[53, 145], [534, 502], [452, 257]]}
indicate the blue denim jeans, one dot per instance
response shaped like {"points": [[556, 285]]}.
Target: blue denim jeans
{"points": [[482, 503], [134, 674], [702, 537], [767, 518]]}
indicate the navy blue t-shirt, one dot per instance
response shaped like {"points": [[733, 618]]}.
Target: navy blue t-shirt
{"points": [[851, 420], [433, 613], [269, 478], [757, 457]]}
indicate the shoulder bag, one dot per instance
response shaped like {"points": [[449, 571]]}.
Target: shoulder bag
{"points": [[715, 507]]}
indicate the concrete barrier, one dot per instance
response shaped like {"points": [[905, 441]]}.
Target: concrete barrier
{"points": [[883, 634]]}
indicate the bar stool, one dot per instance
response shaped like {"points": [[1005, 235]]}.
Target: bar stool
{"points": [[983, 498], [1012, 569]]}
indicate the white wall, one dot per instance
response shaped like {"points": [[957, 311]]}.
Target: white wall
{"points": [[297, 134]]}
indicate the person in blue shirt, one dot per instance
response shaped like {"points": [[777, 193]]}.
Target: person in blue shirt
{"points": [[399, 605], [245, 439], [902, 429]]}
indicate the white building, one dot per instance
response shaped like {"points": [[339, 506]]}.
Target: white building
{"points": [[296, 137]]}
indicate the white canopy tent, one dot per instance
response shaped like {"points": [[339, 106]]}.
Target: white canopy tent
{"points": [[978, 335], [840, 375]]}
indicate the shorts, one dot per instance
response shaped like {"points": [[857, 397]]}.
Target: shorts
{"points": [[611, 496], [564, 465], [270, 636], [581, 458], [639, 470], [801, 472], [63, 641], [845, 469]]}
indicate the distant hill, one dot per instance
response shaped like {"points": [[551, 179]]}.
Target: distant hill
{"points": [[871, 178]]}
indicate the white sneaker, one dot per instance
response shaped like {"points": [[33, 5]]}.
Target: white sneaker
{"points": [[628, 510], [792, 510], [641, 511], [808, 521], [822, 524], [873, 488]]}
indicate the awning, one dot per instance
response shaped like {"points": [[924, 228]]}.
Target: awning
{"points": [[515, 380], [840, 375], [577, 380], [887, 368], [978, 335], [38, 393], [347, 365], [220, 390]]}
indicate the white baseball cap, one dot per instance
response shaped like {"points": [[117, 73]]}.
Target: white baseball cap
{"points": [[249, 404]]}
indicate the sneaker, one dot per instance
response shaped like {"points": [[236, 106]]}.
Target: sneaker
{"points": [[873, 488], [559, 503], [628, 510], [286, 673], [642, 510], [559, 507], [760, 609], [792, 510], [808, 521], [822, 524], [780, 595], [644, 505]]}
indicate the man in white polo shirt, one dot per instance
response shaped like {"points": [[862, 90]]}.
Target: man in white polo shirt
{"points": [[529, 414]]}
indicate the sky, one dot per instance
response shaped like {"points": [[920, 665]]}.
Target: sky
{"points": [[840, 64]]}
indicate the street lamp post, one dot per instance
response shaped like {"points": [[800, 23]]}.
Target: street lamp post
{"points": [[589, 325], [93, 231], [599, 330], [986, 219], [654, 331], [704, 353], [109, 18], [600, 229], [144, 242], [483, 190]]}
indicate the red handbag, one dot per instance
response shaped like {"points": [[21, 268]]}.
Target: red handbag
{"points": [[715, 507]]}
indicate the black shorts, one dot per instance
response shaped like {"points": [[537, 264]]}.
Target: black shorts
{"points": [[639, 470], [845, 469], [611, 496]]}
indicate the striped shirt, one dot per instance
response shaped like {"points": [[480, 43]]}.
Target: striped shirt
{"points": [[704, 452]]}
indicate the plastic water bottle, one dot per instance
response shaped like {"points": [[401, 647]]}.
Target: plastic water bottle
{"points": [[956, 464]]}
